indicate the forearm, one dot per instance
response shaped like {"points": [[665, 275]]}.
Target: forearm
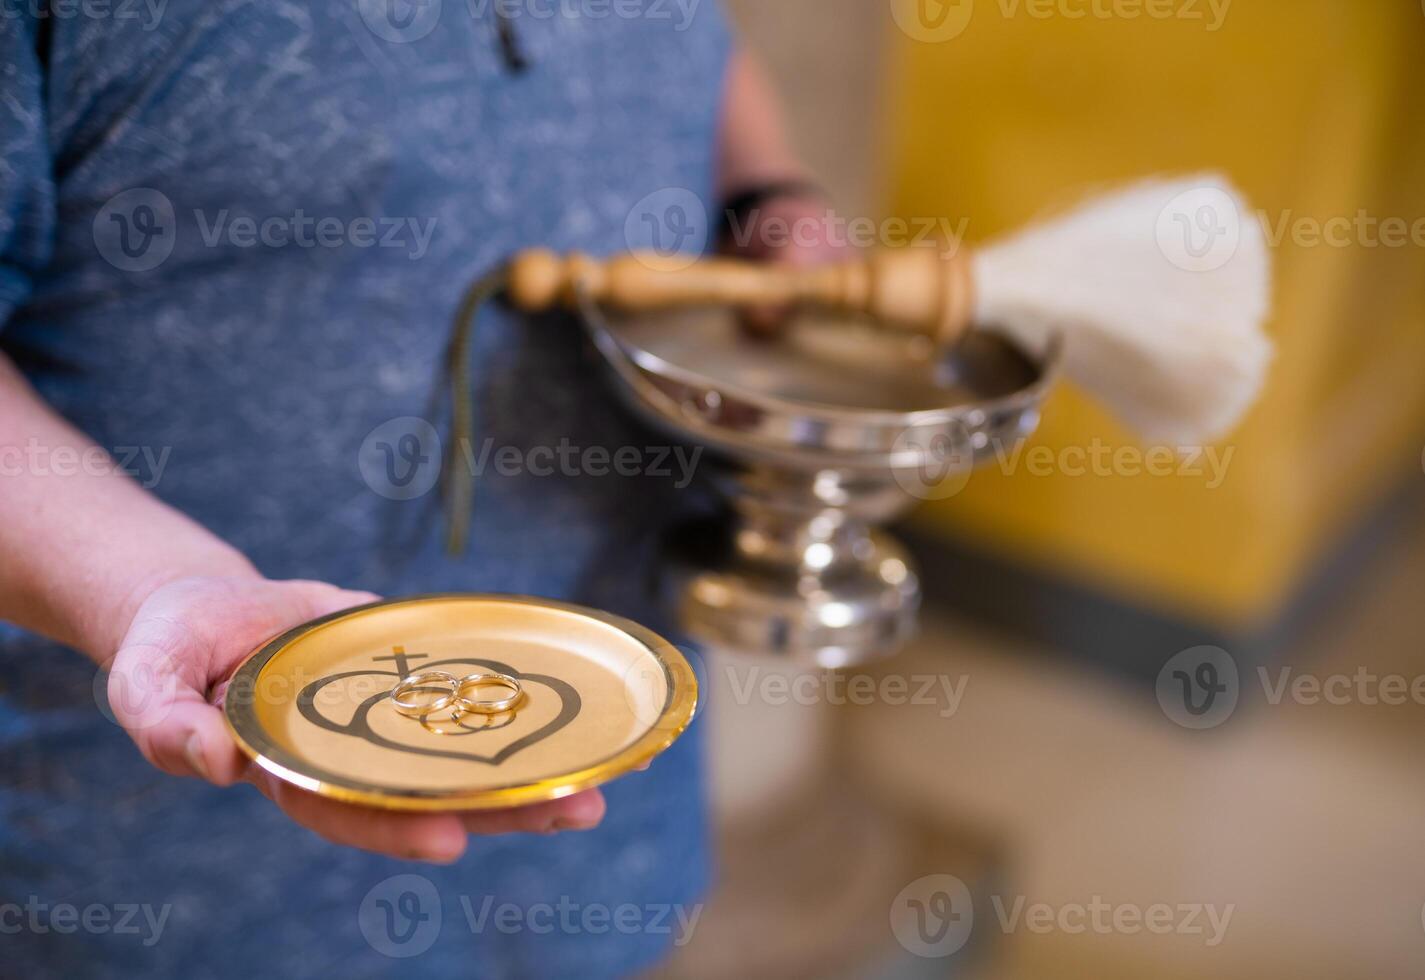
{"points": [[82, 545], [754, 147]]}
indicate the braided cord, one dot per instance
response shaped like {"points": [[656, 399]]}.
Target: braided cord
{"points": [[459, 480]]}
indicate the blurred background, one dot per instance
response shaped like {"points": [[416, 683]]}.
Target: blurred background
{"points": [[1062, 782]]}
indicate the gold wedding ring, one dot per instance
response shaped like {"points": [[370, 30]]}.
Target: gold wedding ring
{"points": [[466, 689], [424, 693]]}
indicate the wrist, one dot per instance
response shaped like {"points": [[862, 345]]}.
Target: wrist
{"points": [[740, 207]]}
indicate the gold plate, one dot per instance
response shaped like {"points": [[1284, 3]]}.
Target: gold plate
{"points": [[603, 696]]}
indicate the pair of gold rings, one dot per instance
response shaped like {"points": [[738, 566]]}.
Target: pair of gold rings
{"points": [[423, 694]]}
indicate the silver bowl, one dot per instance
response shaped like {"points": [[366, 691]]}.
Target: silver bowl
{"points": [[815, 438]]}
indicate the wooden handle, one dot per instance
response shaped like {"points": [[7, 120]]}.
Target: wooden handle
{"points": [[916, 289]]}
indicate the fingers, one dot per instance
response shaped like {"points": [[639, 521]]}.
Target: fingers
{"points": [[156, 694], [188, 639], [582, 811], [438, 838], [160, 679], [195, 742], [765, 321], [323, 598], [768, 321], [279, 606]]}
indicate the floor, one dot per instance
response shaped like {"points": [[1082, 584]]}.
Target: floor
{"points": [[1302, 817]]}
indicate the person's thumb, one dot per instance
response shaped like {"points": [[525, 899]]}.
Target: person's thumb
{"points": [[162, 681]]}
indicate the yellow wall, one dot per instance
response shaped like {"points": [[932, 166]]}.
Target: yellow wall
{"points": [[1316, 109]]}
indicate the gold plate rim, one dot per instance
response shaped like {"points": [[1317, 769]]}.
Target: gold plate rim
{"points": [[677, 714]]}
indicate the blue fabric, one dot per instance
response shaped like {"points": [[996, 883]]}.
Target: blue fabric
{"points": [[255, 376]]}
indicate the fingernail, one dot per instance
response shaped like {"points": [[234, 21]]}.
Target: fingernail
{"points": [[564, 823], [193, 752], [440, 847]]}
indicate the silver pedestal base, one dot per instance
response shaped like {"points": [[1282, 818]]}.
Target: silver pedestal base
{"points": [[860, 609]]}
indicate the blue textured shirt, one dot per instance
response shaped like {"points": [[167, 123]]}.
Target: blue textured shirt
{"points": [[233, 236]]}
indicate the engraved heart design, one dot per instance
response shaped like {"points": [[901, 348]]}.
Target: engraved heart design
{"points": [[359, 726]]}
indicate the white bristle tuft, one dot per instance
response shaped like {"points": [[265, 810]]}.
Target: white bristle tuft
{"points": [[1159, 291]]}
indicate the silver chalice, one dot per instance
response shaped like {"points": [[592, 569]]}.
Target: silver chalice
{"points": [[817, 438]]}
